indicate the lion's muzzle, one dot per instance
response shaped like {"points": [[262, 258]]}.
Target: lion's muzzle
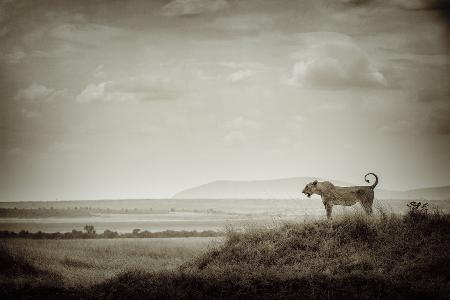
{"points": [[306, 193]]}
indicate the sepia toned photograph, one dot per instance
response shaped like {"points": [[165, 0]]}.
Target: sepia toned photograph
{"points": [[224, 149]]}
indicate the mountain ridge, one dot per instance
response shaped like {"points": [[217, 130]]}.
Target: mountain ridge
{"points": [[291, 187]]}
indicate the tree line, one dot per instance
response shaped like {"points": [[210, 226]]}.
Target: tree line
{"points": [[65, 212], [89, 232]]}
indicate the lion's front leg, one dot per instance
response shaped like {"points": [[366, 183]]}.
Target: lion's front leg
{"points": [[329, 209]]}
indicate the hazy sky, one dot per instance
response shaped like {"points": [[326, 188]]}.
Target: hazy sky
{"points": [[139, 99]]}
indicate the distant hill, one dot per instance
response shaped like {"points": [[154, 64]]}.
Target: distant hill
{"points": [[290, 188], [437, 193]]}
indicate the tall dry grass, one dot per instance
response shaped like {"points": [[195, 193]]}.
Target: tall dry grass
{"points": [[87, 262]]}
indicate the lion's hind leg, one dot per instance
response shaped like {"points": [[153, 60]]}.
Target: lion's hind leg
{"points": [[367, 208], [367, 202]]}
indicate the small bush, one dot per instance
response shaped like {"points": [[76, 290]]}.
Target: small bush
{"points": [[90, 230], [417, 211]]}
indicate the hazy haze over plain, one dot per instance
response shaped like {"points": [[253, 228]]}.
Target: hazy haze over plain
{"points": [[139, 99]]}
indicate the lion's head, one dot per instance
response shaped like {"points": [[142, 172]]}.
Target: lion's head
{"points": [[310, 188]]}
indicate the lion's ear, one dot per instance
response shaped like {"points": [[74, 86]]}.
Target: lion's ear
{"points": [[315, 182]]}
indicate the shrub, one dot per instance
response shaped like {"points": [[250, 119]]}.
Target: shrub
{"points": [[417, 211], [90, 230]]}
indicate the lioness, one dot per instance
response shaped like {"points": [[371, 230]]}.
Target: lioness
{"points": [[338, 195]]}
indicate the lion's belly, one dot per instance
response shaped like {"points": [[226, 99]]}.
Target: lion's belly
{"points": [[345, 196], [346, 201]]}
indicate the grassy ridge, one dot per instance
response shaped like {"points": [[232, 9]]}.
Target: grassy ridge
{"points": [[388, 256], [353, 257]]}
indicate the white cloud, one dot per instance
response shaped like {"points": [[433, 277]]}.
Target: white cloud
{"points": [[332, 106], [228, 70], [239, 65], [241, 75], [65, 147], [99, 72], [234, 138], [241, 123], [131, 90], [193, 7], [353, 1], [93, 93], [421, 4], [18, 56], [432, 94], [28, 114], [92, 34], [40, 93], [438, 120], [335, 64], [238, 129], [36, 35], [148, 130], [398, 127], [14, 57], [244, 23], [297, 122], [421, 121]]}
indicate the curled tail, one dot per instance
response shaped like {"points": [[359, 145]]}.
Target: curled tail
{"points": [[376, 180]]}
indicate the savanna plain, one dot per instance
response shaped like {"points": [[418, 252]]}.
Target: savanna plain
{"points": [[266, 249]]}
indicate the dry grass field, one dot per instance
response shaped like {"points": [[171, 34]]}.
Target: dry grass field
{"points": [[87, 262], [387, 256]]}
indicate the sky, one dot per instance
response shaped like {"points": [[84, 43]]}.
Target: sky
{"points": [[142, 99]]}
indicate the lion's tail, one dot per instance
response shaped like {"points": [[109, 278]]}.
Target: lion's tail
{"points": [[376, 180]]}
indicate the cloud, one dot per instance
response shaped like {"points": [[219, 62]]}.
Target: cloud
{"points": [[438, 119], [99, 72], [432, 94], [296, 122], [39, 93], [240, 123], [398, 127], [64, 147], [241, 75], [332, 106], [19, 56], [354, 2], [423, 4], [14, 57], [28, 114], [244, 23], [234, 138], [228, 70], [131, 90], [239, 65], [239, 129], [423, 121], [336, 64], [193, 7], [405, 4], [90, 33]]}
